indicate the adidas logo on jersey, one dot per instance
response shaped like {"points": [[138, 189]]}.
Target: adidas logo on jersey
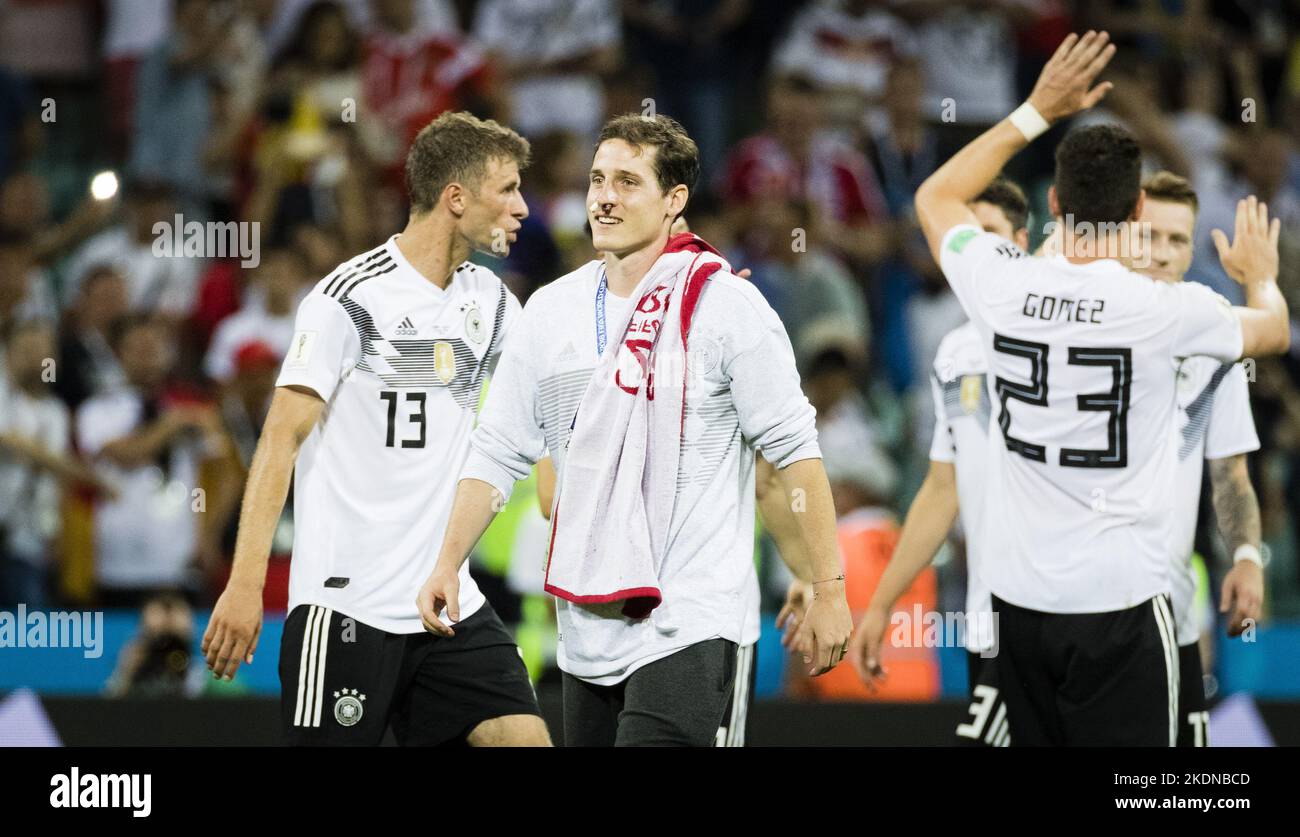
{"points": [[569, 353], [407, 328]]}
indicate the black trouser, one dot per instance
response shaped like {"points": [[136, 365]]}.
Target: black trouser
{"points": [[1193, 708], [1080, 679], [343, 682], [987, 723], [677, 701]]}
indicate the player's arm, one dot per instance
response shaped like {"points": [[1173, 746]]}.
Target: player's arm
{"points": [[778, 421], [507, 443], [1237, 510], [1252, 261], [545, 485], [476, 503], [1064, 88], [929, 519], [232, 633], [823, 640], [776, 508]]}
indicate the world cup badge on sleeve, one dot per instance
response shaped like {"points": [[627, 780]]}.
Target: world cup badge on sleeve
{"points": [[970, 392]]}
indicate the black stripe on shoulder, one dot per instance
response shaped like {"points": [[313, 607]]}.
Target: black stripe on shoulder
{"points": [[345, 275], [378, 270], [361, 319]]}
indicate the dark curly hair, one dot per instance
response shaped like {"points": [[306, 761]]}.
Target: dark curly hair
{"points": [[1098, 174]]}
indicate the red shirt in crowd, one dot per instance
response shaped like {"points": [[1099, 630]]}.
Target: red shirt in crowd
{"points": [[835, 178], [408, 79]]}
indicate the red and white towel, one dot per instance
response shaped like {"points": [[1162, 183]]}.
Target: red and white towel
{"points": [[614, 502]]}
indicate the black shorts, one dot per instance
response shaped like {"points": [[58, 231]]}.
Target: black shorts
{"points": [[1193, 708], [987, 725], [676, 701], [1089, 679], [736, 716], [343, 682]]}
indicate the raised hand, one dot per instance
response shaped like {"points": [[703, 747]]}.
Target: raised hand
{"points": [[1252, 255], [1064, 86]]}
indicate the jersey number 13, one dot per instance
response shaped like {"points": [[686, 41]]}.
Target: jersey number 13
{"points": [[418, 417]]}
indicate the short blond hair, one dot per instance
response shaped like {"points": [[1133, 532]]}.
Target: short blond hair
{"points": [[1169, 187], [456, 148]]}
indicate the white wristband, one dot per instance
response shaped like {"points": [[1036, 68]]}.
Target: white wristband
{"points": [[1029, 121], [1248, 552]]}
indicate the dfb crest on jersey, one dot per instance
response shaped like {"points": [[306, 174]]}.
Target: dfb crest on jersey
{"points": [[444, 361], [970, 392], [474, 328], [349, 706]]}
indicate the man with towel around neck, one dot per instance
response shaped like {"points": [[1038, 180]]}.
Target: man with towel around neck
{"points": [[652, 377]]}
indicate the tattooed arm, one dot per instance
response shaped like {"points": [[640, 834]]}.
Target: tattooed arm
{"points": [[1237, 511]]}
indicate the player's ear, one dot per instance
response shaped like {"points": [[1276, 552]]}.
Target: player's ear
{"points": [[677, 197], [1021, 237], [455, 198], [1053, 205]]}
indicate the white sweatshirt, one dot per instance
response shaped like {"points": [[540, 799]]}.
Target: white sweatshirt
{"points": [[742, 395]]}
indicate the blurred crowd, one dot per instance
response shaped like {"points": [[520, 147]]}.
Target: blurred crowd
{"points": [[133, 385]]}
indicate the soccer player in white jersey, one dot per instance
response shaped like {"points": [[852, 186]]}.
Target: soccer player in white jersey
{"points": [[1076, 528], [660, 674], [372, 414], [1215, 426], [954, 485]]}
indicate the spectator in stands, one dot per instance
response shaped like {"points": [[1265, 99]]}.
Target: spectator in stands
{"points": [[20, 125], [556, 190], [304, 146], [161, 285], [796, 158], [133, 29], [904, 150], [147, 442], [245, 400], [552, 54], [34, 462], [846, 46], [25, 291], [831, 372], [969, 52], [410, 75], [806, 285], [25, 210], [685, 42], [904, 147], [173, 104], [270, 302], [88, 365]]}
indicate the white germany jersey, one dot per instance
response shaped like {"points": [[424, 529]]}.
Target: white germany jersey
{"points": [[961, 432], [742, 395], [1079, 508], [1214, 422], [400, 363]]}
